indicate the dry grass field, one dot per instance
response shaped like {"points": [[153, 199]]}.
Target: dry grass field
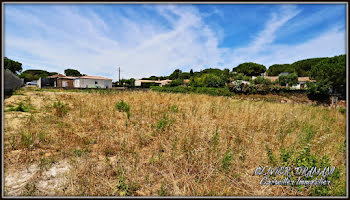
{"points": [[78, 143]]}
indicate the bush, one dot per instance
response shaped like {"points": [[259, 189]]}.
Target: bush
{"points": [[123, 107], [199, 90], [60, 108], [176, 82], [208, 80], [290, 79]]}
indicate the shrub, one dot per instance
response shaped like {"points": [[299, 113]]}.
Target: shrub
{"points": [[199, 90], [60, 108], [27, 139], [342, 110], [123, 107], [21, 108], [226, 160], [176, 82]]}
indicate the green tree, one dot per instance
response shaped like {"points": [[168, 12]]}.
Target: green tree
{"points": [[331, 73], [262, 80], [302, 67], [250, 69], [72, 72], [176, 82], [35, 74], [207, 80], [184, 75], [290, 79], [191, 72], [275, 70], [175, 74], [13, 66]]}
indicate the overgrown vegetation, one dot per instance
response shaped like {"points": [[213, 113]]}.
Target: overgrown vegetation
{"points": [[174, 144]]}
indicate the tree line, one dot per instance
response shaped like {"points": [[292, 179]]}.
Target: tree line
{"points": [[329, 73]]}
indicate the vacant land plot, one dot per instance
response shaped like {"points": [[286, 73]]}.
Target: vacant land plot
{"points": [[149, 143]]}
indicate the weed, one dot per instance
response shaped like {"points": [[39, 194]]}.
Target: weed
{"points": [[30, 189], [174, 109], [21, 108], [46, 163], [271, 156], [60, 108], [13, 142], [342, 110], [123, 187], [78, 152], [226, 160], [123, 107], [163, 190], [163, 123], [108, 152], [27, 139]]}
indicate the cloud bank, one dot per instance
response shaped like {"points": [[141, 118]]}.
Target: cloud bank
{"points": [[161, 38]]}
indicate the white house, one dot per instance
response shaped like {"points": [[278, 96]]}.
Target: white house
{"points": [[92, 82], [302, 82]]}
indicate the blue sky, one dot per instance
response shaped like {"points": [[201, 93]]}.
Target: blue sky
{"points": [[150, 39]]}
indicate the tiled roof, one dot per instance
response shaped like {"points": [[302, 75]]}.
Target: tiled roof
{"points": [[68, 77], [304, 79], [56, 75], [272, 78], [94, 77]]}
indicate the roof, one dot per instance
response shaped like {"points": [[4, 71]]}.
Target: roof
{"points": [[68, 77], [304, 79], [272, 78], [153, 81], [56, 75], [94, 77]]}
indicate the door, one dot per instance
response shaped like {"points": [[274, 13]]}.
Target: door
{"points": [[64, 83]]}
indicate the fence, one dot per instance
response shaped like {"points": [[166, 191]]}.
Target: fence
{"points": [[11, 82]]}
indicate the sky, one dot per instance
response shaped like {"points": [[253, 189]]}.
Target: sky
{"points": [[155, 39]]}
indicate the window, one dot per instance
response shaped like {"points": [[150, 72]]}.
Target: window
{"points": [[95, 82]]}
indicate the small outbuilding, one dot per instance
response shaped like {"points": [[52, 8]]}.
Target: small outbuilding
{"points": [[92, 82]]}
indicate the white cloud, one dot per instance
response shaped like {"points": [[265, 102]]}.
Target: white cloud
{"points": [[94, 46]]}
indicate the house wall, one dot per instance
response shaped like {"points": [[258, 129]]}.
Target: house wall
{"points": [[60, 82], [92, 83], [137, 82]]}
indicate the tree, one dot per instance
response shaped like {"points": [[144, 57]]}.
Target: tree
{"points": [[72, 72], [329, 73], [175, 74], [176, 82], [35, 74], [250, 69], [275, 70], [13, 66], [207, 80], [290, 79], [184, 75], [191, 72], [262, 80], [302, 67]]}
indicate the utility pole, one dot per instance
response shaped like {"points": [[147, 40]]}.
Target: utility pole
{"points": [[119, 76]]}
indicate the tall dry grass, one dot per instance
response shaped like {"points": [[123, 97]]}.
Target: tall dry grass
{"points": [[171, 144]]}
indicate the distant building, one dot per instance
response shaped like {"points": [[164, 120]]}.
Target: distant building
{"points": [[60, 80], [283, 73], [92, 82], [140, 82]]}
